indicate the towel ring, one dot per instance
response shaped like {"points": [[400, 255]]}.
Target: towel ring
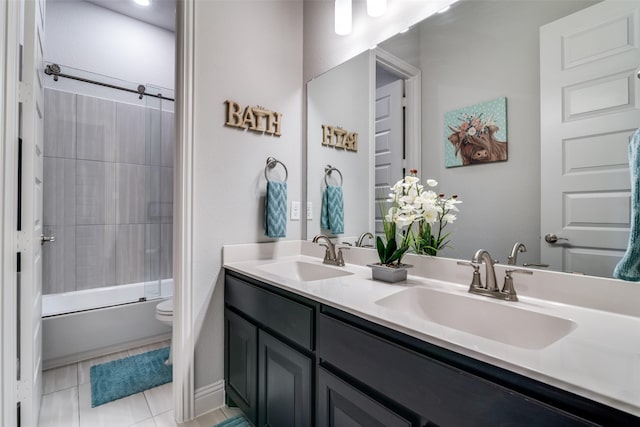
{"points": [[272, 163], [327, 171]]}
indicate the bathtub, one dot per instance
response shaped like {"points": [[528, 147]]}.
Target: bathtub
{"points": [[81, 325]]}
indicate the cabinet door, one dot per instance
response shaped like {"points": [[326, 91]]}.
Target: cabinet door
{"points": [[342, 405], [240, 363], [284, 383]]}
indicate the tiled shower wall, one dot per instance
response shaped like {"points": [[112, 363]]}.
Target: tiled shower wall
{"points": [[108, 192]]}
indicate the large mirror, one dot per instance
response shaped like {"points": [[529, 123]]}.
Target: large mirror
{"points": [[479, 51]]}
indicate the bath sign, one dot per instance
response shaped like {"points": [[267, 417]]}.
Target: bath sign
{"points": [[335, 136], [257, 119]]}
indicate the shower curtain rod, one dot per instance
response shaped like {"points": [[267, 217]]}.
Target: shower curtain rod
{"points": [[54, 70]]}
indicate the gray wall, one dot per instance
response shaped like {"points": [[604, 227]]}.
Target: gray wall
{"points": [[249, 52]]}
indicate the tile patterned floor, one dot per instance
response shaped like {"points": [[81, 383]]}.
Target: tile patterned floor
{"points": [[66, 401]]}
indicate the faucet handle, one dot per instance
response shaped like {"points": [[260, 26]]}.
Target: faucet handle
{"points": [[339, 257], [508, 290], [476, 281], [510, 271]]}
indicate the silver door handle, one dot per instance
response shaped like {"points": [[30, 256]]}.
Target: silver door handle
{"points": [[44, 239], [552, 238]]}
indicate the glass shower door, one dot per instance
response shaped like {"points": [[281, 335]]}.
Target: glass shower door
{"points": [[160, 142]]}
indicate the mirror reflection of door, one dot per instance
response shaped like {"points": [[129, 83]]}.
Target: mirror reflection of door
{"points": [[389, 138], [589, 109], [397, 126]]}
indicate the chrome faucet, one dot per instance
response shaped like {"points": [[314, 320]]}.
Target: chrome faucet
{"points": [[330, 256], [508, 292], [517, 248], [362, 237], [490, 272]]}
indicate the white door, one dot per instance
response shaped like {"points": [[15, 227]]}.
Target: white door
{"points": [[389, 142], [30, 287], [590, 106]]}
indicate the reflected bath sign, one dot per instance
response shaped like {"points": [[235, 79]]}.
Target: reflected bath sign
{"points": [[336, 137], [256, 119], [476, 134]]}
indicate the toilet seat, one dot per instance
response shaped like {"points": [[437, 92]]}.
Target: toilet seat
{"points": [[164, 311]]}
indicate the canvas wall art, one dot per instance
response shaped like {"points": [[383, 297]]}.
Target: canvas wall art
{"points": [[476, 134]]}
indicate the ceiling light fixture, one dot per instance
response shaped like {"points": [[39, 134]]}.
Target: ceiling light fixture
{"points": [[376, 8], [343, 17], [143, 2]]}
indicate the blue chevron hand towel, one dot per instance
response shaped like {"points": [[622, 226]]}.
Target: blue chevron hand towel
{"points": [[629, 266], [332, 215], [275, 209]]}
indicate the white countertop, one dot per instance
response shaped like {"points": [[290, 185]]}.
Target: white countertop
{"points": [[599, 359]]}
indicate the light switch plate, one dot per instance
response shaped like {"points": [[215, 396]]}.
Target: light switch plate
{"points": [[309, 211], [295, 211]]}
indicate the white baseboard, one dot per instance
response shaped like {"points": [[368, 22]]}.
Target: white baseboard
{"points": [[209, 398]]}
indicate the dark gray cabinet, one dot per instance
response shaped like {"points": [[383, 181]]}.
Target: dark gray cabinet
{"points": [[290, 361], [240, 363], [284, 383], [269, 359], [340, 404]]}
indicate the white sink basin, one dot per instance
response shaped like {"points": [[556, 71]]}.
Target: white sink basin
{"points": [[303, 271], [507, 323]]}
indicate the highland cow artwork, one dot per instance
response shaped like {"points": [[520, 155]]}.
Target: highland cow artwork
{"points": [[476, 134]]}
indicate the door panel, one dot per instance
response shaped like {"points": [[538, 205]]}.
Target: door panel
{"points": [[284, 384], [32, 100], [389, 131], [241, 340], [590, 107], [342, 405]]}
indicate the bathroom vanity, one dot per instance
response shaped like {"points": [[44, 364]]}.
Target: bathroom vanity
{"points": [[324, 346]]}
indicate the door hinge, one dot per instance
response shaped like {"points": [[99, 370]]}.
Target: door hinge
{"points": [[404, 101], [24, 92], [23, 390], [22, 239]]}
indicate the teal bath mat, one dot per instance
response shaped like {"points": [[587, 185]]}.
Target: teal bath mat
{"points": [[237, 421], [124, 377]]}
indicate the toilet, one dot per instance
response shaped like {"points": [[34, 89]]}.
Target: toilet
{"points": [[164, 313]]}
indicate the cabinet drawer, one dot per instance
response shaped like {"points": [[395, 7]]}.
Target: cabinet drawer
{"points": [[288, 318], [445, 395]]}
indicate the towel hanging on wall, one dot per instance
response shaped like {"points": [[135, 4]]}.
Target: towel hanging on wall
{"points": [[275, 202], [629, 266], [275, 209], [332, 215]]}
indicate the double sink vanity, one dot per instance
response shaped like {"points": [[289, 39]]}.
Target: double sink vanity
{"points": [[312, 344]]}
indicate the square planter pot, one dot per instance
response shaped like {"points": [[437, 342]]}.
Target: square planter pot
{"points": [[389, 274]]}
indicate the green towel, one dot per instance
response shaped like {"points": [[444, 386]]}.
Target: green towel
{"points": [[629, 266], [332, 215], [275, 209]]}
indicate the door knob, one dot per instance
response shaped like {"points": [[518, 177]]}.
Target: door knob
{"points": [[44, 239], [552, 238]]}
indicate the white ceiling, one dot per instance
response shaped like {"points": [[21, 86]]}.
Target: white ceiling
{"points": [[161, 13]]}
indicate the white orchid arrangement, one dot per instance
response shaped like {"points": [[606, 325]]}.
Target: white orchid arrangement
{"points": [[411, 204], [436, 209]]}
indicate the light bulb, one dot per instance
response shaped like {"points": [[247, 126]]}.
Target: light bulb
{"points": [[343, 17], [376, 8], [143, 2]]}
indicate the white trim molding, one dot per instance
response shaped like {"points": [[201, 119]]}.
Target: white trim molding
{"points": [[209, 397], [183, 328], [9, 98]]}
